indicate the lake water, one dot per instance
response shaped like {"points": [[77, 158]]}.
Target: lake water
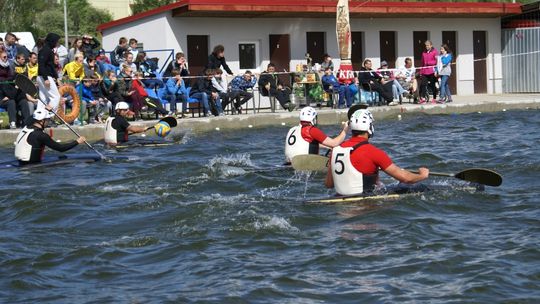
{"points": [[215, 220]]}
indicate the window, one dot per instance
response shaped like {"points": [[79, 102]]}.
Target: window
{"points": [[248, 55]]}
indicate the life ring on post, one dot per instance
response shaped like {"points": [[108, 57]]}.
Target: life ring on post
{"points": [[76, 105]]}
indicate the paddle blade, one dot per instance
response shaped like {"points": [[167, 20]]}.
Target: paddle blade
{"points": [[26, 85], [310, 162], [480, 176]]}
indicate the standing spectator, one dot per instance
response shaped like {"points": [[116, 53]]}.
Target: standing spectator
{"points": [[11, 98], [220, 86], [327, 63], [75, 49], [427, 72], [89, 44], [346, 91], [39, 44], [13, 48], [444, 69], [117, 55], [58, 67], [176, 91], [133, 47], [217, 60], [48, 91], [270, 85], [203, 91], [62, 53], [75, 69], [179, 64], [239, 87], [372, 81], [406, 77]]}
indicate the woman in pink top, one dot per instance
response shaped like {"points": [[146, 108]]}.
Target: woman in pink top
{"points": [[427, 72]]}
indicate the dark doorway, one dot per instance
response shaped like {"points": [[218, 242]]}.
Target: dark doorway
{"points": [[419, 45], [197, 53], [387, 42], [280, 54], [316, 45], [357, 50], [480, 64], [450, 38]]}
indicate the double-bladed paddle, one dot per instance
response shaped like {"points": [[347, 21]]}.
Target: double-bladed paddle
{"points": [[28, 87], [313, 162]]}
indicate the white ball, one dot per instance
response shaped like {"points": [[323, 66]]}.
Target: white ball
{"points": [[217, 128], [250, 126], [143, 135], [504, 110], [282, 123]]}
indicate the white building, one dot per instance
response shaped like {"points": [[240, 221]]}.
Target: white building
{"points": [[257, 32], [117, 8]]}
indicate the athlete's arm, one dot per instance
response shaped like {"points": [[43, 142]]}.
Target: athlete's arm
{"points": [[406, 176], [49, 142], [329, 142], [136, 129], [329, 181]]}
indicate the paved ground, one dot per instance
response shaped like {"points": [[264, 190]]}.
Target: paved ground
{"points": [[461, 104]]}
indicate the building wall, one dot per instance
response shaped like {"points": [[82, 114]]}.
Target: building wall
{"points": [[118, 8], [165, 31]]}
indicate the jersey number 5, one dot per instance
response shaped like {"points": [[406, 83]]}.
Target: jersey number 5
{"points": [[340, 162], [292, 138]]}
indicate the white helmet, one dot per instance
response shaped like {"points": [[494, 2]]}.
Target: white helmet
{"points": [[121, 106], [362, 120], [308, 114], [42, 114]]}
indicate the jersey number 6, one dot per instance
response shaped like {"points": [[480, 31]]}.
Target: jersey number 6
{"points": [[292, 139]]}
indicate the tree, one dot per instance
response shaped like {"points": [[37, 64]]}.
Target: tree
{"points": [[140, 6]]}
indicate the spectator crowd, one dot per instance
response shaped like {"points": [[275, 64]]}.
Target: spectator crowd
{"points": [[128, 74]]}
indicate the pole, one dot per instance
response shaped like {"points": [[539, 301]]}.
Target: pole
{"points": [[66, 41]]}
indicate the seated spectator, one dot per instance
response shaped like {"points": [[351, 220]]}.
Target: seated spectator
{"points": [[406, 77], [99, 91], [145, 66], [220, 86], [102, 57], [91, 69], [90, 102], [179, 64], [217, 60], [118, 54], [239, 87], [176, 91], [112, 90], [327, 63], [62, 53], [147, 101], [12, 47], [89, 46], [39, 44], [270, 85], [128, 60], [372, 81], [133, 47], [75, 69], [11, 98], [76, 49], [388, 76], [59, 70], [19, 65], [32, 66], [203, 91], [125, 89], [346, 91]]}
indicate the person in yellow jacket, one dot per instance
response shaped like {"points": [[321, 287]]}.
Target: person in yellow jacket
{"points": [[75, 69], [32, 66]]}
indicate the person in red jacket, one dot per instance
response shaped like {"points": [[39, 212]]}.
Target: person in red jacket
{"points": [[151, 102], [427, 72]]}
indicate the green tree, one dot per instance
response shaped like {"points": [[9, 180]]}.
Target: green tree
{"points": [[140, 6]]}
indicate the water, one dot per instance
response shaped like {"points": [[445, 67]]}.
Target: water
{"points": [[214, 220]]}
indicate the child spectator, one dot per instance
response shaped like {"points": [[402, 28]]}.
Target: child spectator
{"points": [[62, 53], [444, 70], [89, 102], [128, 60], [75, 70], [89, 44], [176, 91], [133, 47], [220, 86], [112, 90], [144, 66], [91, 68], [117, 55], [239, 87], [150, 102], [76, 49], [179, 64], [203, 91], [100, 94]]}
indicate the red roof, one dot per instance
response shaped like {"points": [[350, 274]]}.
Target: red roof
{"points": [[322, 8]]}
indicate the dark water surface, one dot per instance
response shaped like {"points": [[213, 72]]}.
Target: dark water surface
{"points": [[198, 222]]}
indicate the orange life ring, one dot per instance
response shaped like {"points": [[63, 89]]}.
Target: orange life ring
{"points": [[76, 105]]}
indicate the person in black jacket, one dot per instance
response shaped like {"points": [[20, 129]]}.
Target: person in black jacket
{"points": [[372, 81], [179, 64], [217, 60], [89, 45], [204, 92], [11, 98], [47, 75], [270, 85]]}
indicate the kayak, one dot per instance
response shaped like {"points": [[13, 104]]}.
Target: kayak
{"points": [[53, 161], [143, 143], [353, 199]]}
